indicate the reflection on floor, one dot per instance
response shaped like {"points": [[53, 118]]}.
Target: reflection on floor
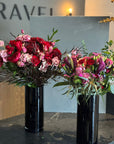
{"points": [[59, 128]]}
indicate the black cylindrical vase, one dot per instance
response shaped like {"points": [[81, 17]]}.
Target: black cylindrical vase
{"points": [[87, 120], [34, 112]]}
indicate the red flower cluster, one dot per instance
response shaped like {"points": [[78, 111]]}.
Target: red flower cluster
{"points": [[35, 51]]}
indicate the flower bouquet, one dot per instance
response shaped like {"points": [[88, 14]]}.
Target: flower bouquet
{"points": [[87, 73], [29, 61]]}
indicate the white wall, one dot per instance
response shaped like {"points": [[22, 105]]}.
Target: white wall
{"points": [[101, 8]]}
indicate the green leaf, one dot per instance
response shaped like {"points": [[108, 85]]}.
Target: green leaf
{"points": [[83, 78], [107, 52], [72, 64], [62, 83], [76, 81], [110, 43], [57, 40], [54, 32]]}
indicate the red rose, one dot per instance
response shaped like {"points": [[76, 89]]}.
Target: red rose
{"points": [[16, 44], [90, 61], [15, 57], [56, 52], [35, 60], [1, 61], [9, 49]]}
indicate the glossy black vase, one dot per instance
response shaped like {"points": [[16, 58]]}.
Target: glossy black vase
{"points": [[34, 112], [87, 120]]}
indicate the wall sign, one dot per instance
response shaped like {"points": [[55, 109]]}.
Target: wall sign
{"points": [[16, 12]]}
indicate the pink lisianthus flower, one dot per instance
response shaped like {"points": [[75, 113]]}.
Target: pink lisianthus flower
{"points": [[55, 61], [20, 64], [3, 54], [1, 43], [79, 70], [85, 75]]}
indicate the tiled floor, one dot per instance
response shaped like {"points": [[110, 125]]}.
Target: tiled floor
{"points": [[59, 128]]}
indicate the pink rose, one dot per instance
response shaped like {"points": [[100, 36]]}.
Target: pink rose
{"points": [[1, 43], [55, 61], [3, 54]]}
